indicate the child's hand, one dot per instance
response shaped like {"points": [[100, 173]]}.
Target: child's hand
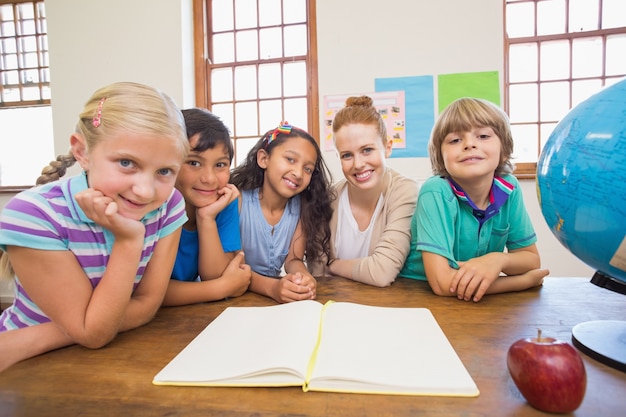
{"points": [[474, 277], [226, 195], [104, 212], [238, 275], [296, 287], [534, 277]]}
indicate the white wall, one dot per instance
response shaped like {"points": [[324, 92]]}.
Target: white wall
{"points": [[361, 40], [95, 42]]}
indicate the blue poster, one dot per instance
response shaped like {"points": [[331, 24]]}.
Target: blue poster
{"points": [[419, 111]]}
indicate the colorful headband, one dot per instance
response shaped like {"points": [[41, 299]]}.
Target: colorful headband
{"points": [[284, 128], [97, 119]]}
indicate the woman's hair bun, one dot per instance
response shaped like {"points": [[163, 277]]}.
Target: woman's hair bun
{"points": [[364, 101]]}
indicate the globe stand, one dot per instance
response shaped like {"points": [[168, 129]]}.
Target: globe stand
{"points": [[605, 281], [603, 340]]}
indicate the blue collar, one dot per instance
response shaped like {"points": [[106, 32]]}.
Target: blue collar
{"points": [[500, 192]]}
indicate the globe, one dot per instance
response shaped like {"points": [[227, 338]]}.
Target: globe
{"points": [[581, 181], [581, 186]]}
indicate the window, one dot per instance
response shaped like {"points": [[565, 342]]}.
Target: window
{"points": [[557, 53], [26, 144], [256, 65]]}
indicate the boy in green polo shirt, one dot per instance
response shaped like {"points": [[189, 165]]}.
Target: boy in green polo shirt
{"points": [[472, 209]]}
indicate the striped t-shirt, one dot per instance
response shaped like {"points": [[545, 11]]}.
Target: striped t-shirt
{"points": [[48, 218]]}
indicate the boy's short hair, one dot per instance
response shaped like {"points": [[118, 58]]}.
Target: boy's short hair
{"points": [[212, 131], [463, 115]]}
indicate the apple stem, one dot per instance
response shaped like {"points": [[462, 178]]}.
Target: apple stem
{"points": [[538, 335]]}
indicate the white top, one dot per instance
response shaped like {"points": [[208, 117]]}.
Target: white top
{"points": [[350, 242]]}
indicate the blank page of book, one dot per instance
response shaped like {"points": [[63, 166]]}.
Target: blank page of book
{"points": [[387, 350], [249, 346]]}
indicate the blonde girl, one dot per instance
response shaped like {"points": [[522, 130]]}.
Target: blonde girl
{"points": [[92, 254]]}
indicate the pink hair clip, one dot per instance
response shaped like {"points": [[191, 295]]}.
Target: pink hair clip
{"points": [[284, 128], [97, 119]]}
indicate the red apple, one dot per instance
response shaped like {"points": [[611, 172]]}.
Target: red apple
{"points": [[549, 373]]}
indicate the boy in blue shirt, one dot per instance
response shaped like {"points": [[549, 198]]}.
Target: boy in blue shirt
{"points": [[209, 262]]}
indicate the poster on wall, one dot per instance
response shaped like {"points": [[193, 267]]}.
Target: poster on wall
{"points": [[419, 108], [427, 94], [485, 85], [390, 105]]}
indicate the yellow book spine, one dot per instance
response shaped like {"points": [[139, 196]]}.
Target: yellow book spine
{"points": [[313, 359]]}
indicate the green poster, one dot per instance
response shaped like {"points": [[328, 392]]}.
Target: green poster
{"points": [[485, 85]]}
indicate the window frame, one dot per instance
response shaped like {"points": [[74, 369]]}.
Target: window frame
{"points": [[41, 102], [527, 170], [203, 65], [41, 67]]}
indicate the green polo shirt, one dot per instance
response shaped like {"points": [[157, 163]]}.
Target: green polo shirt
{"points": [[445, 223]]}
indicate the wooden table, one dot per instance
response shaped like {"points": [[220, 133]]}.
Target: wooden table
{"points": [[117, 379]]}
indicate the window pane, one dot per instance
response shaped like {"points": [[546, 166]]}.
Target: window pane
{"points": [[247, 119], [226, 113], [245, 14], [43, 42], [576, 60], [523, 62], [294, 11], [270, 114], [613, 14], [8, 28], [520, 19], [554, 101], [247, 46], [10, 61], [271, 43], [32, 139], [583, 15], [223, 48], [25, 11], [245, 83], [616, 54], [546, 130], [30, 93], [554, 60], [524, 143], [45, 92], [296, 112], [222, 13], [11, 77], [30, 60], [611, 81], [6, 12], [587, 57], [27, 27], [550, 17], [523, 103], [242, 147], [222, 84], [11, 95], [295, 40], [9, 46], [270, 86], [295, 79], [583, 89], [270, 13]]}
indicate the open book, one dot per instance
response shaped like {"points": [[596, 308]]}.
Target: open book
{"points": [[338, 346]]}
